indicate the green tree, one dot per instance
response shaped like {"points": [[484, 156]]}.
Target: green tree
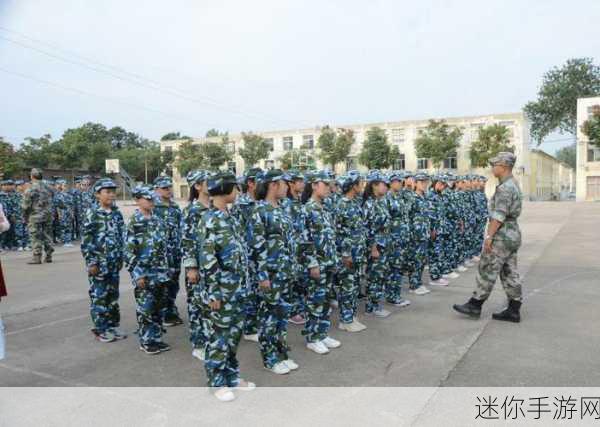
{"points": [[377, 152], [11, 164], [215, 154], [297, 159], [255, 148], [490, 141], [137, 160], [188, 158], [334, 147], [591, 127], [215, 132], [568, 155], [36, 152], [173, 136], [556, 105], [437, 142]]}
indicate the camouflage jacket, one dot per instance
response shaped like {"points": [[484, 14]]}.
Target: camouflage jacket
{"points": [[224, 263], [37, 203], [439, 219], [170, 213], [481, 203], [330, 203], [64, 204], [272, 242], [505, 206], [87, 200], [191, 239], [318, 240], [351, 234], [242, 210], [102, 239], [378, 222], [146, 248], [293, 209], [399, 210], [422, 216]]}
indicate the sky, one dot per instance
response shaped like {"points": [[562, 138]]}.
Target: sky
{"points": [[154, 66]]}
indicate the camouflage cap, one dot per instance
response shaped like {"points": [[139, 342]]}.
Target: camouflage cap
{"points": [[293, 175], [252, 173], [396, 176], [61, 181], [219, 179], [104, 183], [421, 176], [195, 177], [142, 192], [7, 182], [319, 176], [19, 182], [272, 175], [408, 174], [163, 182], [504, 158], [375, 175]]}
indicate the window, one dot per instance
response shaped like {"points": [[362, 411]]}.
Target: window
{"points": [[168, 149], [450, 162], [397, 136], [422, 163], [308, 142], [400, 164], [591, 110], [231, 167], [593, 155], [288, 143], [269, 141], [351, 163], [269, 164]]}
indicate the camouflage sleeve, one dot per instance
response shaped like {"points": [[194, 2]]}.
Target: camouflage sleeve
{"points": [[502, 202], [369, 213], [209, 262], [132, 246], [90, 251], [26, 204], [307, 243], [188, 240], [257, 245], [343, 230]]}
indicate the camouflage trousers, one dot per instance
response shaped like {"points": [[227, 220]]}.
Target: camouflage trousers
{"points": [[349, 282], [169, 308], [273, 314], [225, 326], [297, 297], [377, 276], [318, 309], [419, 257], [196, 315], [438, 257], [399, 265], [104, 301], [8, 239], [148, 302], [21, 234], [65, 229], [502, 260], [251, 306], [41, 237]]}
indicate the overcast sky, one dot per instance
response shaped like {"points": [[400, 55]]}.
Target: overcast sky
{"points": [[158, 66]]}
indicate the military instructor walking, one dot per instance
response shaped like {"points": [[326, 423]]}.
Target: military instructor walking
{"points": [[502, 242], [37, 210]]}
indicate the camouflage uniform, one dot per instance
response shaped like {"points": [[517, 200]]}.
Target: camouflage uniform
{"points": [[482, 216], [37, 211], [146, 257], [273, 250], [21, 235], [421, 215], [8, 199], [64, 208], [400, 233], [293, 209], [453, 217], [77, 214], [319, 250], [439, 223], [102, 245], [505, 206], [224, 264]]}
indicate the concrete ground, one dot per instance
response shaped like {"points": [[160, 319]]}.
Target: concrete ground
{"points": [[427, 344]]}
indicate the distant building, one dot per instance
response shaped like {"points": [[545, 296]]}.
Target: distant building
{"points": [[588, 156], [549, 179]]}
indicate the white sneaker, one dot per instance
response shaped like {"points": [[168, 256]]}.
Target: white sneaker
{"points": [[461, 268], [476, 258], [331, 343], [439, 282], [469, 263], [351, 327], [318, 347], [402, 303], [280, 368], [381, 313], [452, 275], [252, 337], [68, 245], [421, 290], [334, 303], [248, 386], [20, 249], [355, 320], [224, 394], [198, 354], [291, 364]]}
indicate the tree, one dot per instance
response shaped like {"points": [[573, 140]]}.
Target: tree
{"points": [[188, 158], [214, 154], [174, 136], [377, 152], [591, 127], [568, 155], [36, 152], [10, 163], [438, 142], [490, 141], [255, 148], [297, 159], [214, 133], [556, 106], [136, 160], [334, 147]]}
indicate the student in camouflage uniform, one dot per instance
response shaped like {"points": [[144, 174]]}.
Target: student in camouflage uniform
{"points": [[273, 249], [377, 222], [75, 193], [351, 240], [86, 200], [400, 235], [191, 242], [454, 223], [224, 264], [440, 231], [170, 213], [501, 244], [8, 199], [242, 210], [37, 211], [321, 262], [64, 209], [292, 206], [102, 249], [20, 227], [421, 216], [482, 214], [148, 264]]}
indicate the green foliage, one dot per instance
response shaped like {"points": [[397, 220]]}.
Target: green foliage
{"points": [[568, 155], [591, 128], [556, 105], [135, 160], [377, 152], [215, 132], [490, 141], [173, 136], [208, 155], [334, 147], [255, 148], [36, 152], [11, 165], [215, 154], [438, 142], [297, 159]]}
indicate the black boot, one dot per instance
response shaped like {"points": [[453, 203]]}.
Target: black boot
{"points": [[48, 258], [471, 308], [37, 259], [510, 313]]}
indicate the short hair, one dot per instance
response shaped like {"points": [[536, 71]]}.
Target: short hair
{"points": [[222, 190]]}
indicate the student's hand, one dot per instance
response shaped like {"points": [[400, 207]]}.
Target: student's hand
{"points": [[315, 273], [375, 252], [433, 234], [347, 260], [214, 305], [265, 284], [192, 275], [93, 270], [141, 282]]}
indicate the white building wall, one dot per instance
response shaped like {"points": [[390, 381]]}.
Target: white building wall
{"points": [[586, 170]]}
